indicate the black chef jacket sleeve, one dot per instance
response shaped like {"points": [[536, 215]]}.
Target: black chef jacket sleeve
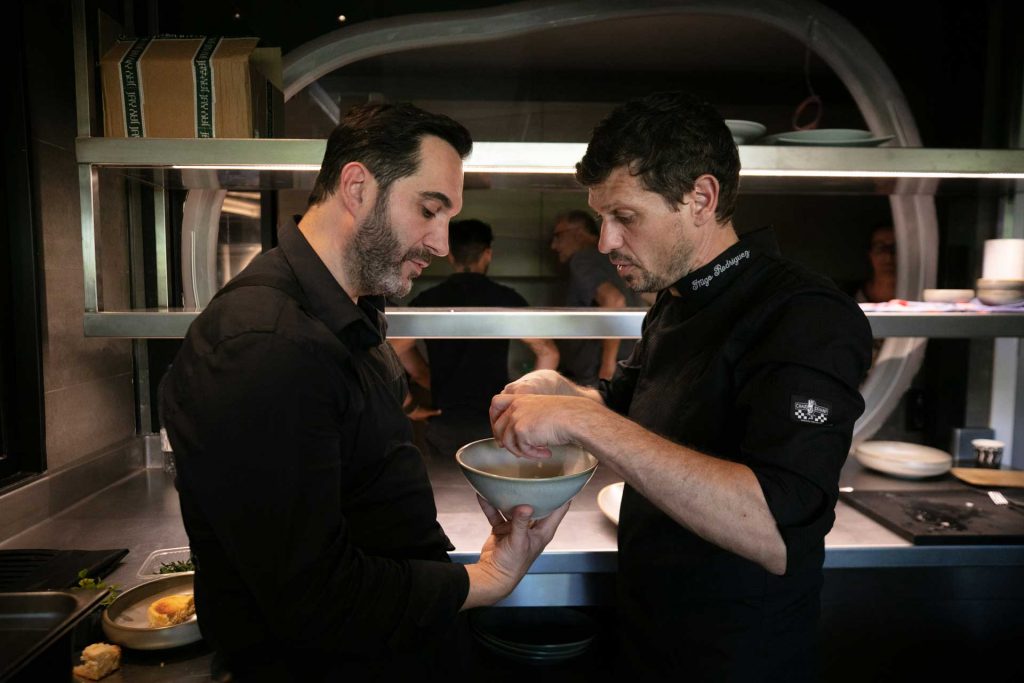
{"points": [[268, 477], [797, 400]]}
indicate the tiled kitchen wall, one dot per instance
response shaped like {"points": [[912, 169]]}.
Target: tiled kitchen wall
{"points": [[88, 392]]}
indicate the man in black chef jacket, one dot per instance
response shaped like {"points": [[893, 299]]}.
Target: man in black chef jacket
{"points": [[308, 509], [730, 421]]}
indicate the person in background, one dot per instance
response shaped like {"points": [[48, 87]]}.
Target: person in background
{"points": [[881, 286], [308, 510], [463, 374], [729, 423], [593, 281]]}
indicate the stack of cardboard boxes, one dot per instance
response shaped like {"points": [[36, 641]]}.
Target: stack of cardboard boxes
{"points": [[191, 87]]}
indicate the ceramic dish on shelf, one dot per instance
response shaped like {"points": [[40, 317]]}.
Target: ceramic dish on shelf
{"points": [[745, 132], [126, 621], [947, 296], [905, 460], [1000, 292], [609, 499], [831, 137]]}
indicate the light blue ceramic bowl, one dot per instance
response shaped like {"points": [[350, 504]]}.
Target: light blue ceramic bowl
{"points": [[505, 480]]}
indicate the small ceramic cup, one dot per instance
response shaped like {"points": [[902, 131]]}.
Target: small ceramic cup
{"points": [[987, 452]]}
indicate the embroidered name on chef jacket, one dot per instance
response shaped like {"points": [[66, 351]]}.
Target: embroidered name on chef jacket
{"points": [[810, 410]]}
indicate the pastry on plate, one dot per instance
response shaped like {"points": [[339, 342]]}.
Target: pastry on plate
{"points": [[171, 610]]}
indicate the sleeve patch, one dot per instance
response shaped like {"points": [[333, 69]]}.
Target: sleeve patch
{"points": [[810, 410]]}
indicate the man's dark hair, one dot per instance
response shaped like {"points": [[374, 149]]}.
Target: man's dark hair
{"points": [[468, 239], [386, 138], [668, 140], [580, 217]]}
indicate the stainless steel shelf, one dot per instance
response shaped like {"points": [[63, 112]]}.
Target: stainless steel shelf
{"points": [[560, 323], [756, 159]]}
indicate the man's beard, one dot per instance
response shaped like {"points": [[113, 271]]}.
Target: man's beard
{"points": [[375, 259], [643, 280]]}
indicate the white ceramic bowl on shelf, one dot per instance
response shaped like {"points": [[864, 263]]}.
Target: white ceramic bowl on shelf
{"points": [[947, 296], [745, 132], [505, 480], [1000, 292]]}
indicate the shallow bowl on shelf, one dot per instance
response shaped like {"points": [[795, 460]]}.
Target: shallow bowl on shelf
{"points": [[947, 296], [745, 132], [506, 480], [1000, 292]]}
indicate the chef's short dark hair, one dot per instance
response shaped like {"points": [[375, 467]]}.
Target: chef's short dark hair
{"points": [[386, 138], [582, 218], [468, 239], [668, 140]]}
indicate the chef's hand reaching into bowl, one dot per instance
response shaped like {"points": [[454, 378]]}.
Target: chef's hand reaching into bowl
{"points": [[526, 424], [542, 382], [508, 552]]}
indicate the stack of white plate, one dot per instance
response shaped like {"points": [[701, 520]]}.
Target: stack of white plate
{"points": [[900, 459], [533, 634]]}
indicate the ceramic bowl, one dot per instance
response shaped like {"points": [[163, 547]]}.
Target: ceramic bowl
{"points": [[505, 480], [948, 296]]}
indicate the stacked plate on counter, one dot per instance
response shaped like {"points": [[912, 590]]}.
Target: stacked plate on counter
{"points": [[905, 460], [533, 634]]}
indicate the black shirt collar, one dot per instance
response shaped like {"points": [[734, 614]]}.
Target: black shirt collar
{"points": [[705, 283], [466, 276], [363, 325]]}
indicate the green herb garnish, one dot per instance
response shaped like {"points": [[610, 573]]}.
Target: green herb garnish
{"points": [[175, 567], [85, 581]]}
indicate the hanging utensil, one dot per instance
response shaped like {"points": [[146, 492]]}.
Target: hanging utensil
{"points": [[812, 102]]}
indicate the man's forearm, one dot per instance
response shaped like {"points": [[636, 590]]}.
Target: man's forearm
{"points": [[718, 500], [609, 356], [545, 352]]}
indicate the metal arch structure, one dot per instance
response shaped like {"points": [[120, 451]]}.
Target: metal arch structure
{"points": [[838, 43]]}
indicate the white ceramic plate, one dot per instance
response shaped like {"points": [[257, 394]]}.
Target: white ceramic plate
{"points": [[831, 137], [609, 499], [900, 459], [745, 131]]}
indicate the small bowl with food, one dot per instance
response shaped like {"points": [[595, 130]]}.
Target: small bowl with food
{"points": [[505, 480], [155, 615]]}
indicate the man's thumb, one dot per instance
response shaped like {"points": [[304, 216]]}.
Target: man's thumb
{"points": [[521, 519]]}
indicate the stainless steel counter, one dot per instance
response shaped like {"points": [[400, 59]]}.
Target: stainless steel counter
{"points": [[141, 513]]}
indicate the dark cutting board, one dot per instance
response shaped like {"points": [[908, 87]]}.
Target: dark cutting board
{"points": [[961, 516], [37, 569]]}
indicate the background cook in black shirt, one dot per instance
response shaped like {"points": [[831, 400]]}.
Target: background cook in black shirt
{"points": [[592, 282], [319, 556], [463, 374], [730, 421]]}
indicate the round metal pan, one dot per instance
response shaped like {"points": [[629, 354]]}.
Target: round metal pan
{"points": [[125, 621]]}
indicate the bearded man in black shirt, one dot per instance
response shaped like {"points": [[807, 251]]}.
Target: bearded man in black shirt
{"points": [[309, 512], [729, 423]]}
